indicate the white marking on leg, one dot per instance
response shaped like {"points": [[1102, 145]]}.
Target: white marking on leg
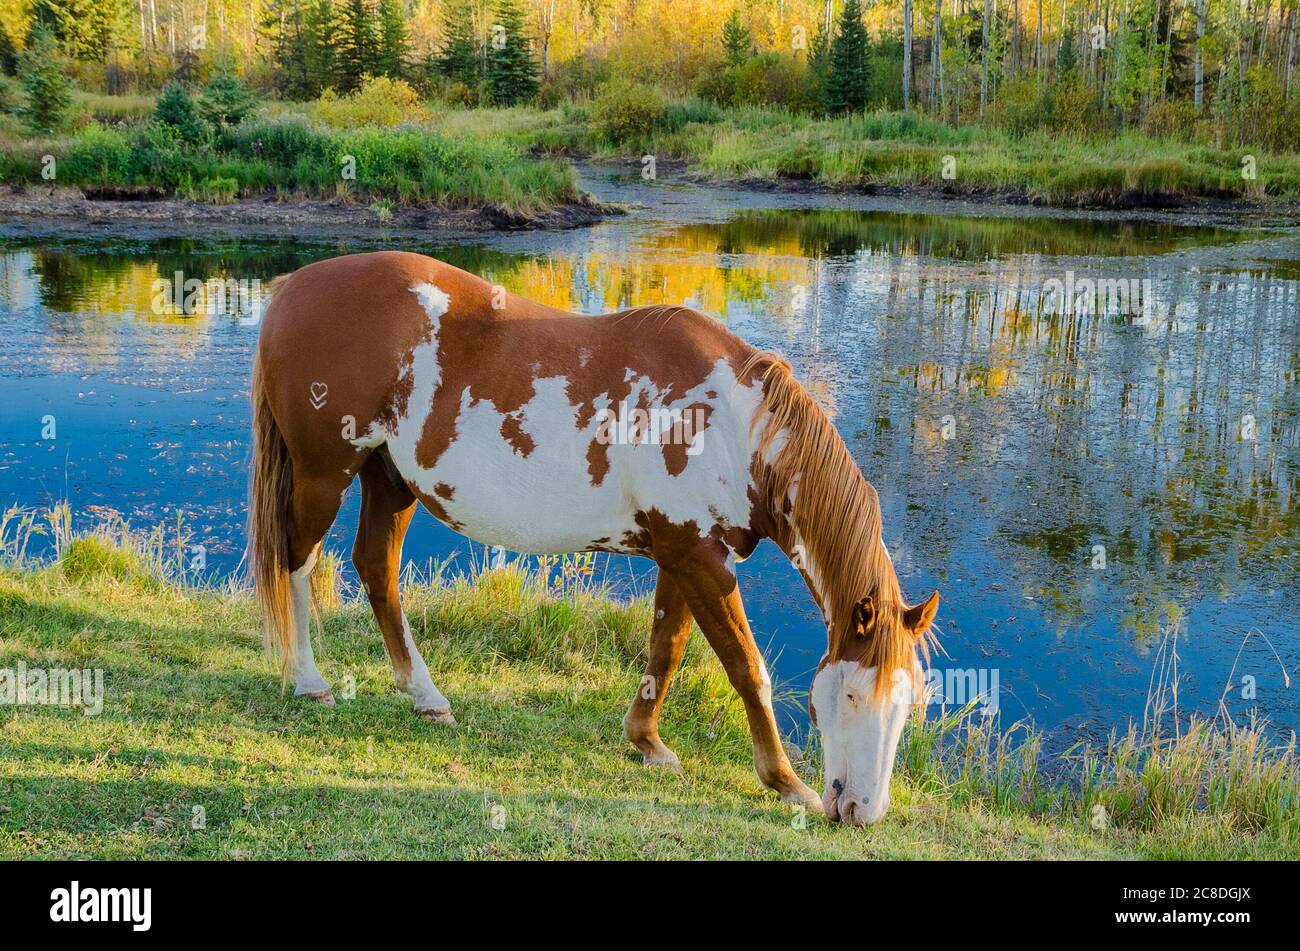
{"points": [[307, 679], [419, 685], [765, 684]]}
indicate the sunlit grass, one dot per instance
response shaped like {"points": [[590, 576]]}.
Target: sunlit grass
{"points": [[540, 663]]}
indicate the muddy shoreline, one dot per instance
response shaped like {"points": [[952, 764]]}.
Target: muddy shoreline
{"points": [[268, 211], [1125, 201], [1129, 201]]}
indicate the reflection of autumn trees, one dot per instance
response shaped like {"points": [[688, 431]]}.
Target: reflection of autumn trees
{"points": [[827, 233], [1097, 430], [1069, 429]]}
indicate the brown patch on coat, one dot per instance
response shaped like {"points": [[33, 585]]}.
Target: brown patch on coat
{"points": [[512, 431], [683, 434], [598, 358]]}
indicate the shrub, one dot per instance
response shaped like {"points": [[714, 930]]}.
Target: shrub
{"points": [[1024, 105], [1066, 106], [1074, 107], [283, 142], [380, 101], [99, 154], [626, 111], [226, 101], [683, 112], [1171, 119], [176, 109], [48, 92], [1266, 118], [159, 157], [460, 95]]}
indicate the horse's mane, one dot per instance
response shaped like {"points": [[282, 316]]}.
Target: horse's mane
{"points": [[827, 518]]}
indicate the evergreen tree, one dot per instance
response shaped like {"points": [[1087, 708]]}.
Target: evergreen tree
{"points": [[511, 68], [8, 53], [176, 108], [1065, 57], [390, 56], [458, 59], [737, 43], [226, 101], [848, 79], [320, 45], [354, 49], [283, 22], [48, 91]]}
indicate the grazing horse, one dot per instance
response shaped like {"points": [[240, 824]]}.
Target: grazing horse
{"points": [[652, 431]]}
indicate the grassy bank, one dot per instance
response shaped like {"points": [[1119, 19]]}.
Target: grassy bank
{"points": [[539, 675], [290, 157], [909, 150], [410, 153]]}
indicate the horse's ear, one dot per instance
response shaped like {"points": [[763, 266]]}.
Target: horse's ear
{"points": [[918, 619], [864, 615]]}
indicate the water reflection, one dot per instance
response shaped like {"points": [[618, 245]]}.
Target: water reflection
{"points": [[1071, 477]]}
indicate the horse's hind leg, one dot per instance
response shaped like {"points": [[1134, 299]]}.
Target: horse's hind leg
{"points": [[387, 506], [668, 634], [315, 503]]}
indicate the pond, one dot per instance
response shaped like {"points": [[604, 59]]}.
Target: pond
{"points": [[1084, 430]]}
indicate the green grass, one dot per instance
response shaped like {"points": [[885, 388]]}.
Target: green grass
{"points": [[908, 149], [539, 678], [288, 155], [512, 158]]}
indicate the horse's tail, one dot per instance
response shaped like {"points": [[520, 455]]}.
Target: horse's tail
{"points": [[270, 496]]}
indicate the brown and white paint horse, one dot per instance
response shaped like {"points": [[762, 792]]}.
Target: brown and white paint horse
{"points": [[500, 420]]}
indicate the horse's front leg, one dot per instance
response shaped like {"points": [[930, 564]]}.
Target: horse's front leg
{"points": [[713, 596], [668, 635]]}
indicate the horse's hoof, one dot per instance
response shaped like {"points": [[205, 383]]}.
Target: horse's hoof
{"points": [[805, 797], [323, 697], [439, 715], [664, 759]]}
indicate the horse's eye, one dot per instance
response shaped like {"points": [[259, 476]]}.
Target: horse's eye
{"points": [[851, 697]]}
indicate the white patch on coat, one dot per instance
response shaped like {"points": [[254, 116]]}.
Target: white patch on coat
{"points": [[307, 679], [860, 737], [374, 437], [544, 502]]}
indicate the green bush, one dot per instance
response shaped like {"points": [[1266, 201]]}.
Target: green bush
{"points": [[1173, 120], [49, 94], [176, 108], [624, 112], [282, 142], [226, 101], [380, 102], [100, 155], [686, 111]]}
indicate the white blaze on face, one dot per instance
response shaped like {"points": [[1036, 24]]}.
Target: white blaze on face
{"points": [[860, 734]]}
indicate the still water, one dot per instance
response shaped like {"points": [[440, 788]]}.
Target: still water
{"points": [[1074, 478]]}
